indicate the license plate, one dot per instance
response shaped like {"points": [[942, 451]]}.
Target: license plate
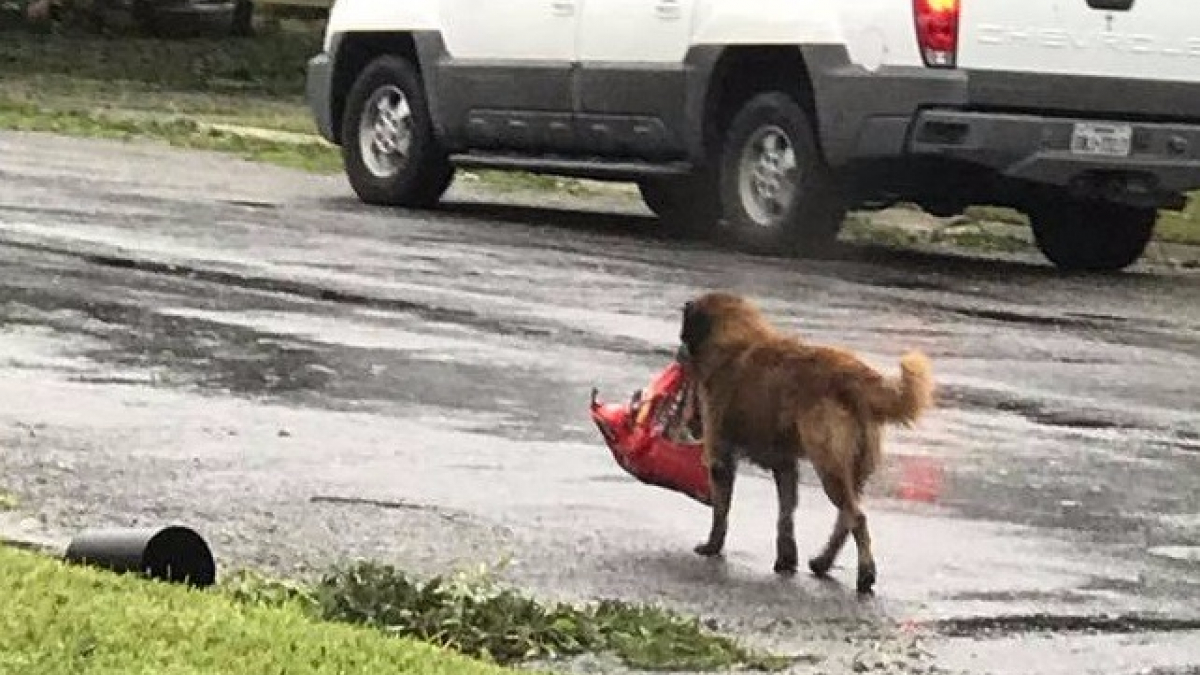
{"points": [[1105, 140]]}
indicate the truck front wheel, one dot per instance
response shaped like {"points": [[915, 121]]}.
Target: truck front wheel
{"points": [[687, 207], [391, 154]]}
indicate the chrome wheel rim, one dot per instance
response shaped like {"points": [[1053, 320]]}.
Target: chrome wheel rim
{"points": [[767, 176], [385, 132]]}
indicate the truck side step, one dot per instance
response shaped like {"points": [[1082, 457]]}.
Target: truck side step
{"points": [[597, 169]]}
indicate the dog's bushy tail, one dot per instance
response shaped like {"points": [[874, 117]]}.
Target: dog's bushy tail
{"points": [[901, 400]]}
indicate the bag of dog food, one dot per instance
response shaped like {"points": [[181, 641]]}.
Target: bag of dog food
{"points": [[655, 437]]}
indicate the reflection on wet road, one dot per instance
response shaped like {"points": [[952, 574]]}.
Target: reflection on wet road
{"points": [[264, 357]]}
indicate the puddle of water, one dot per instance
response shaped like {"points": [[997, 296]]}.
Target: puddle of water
{"points": [[339, 332], [1190, 554], [655, 331], [42, 348]]}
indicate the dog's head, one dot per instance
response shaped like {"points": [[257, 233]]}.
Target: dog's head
{"points": [[715, 318]]}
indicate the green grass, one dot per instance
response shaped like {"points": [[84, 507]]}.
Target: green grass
{"points": [[64, 93], [60, 620], [979, 230], [995, 214], [365, 618], [180, 131], [990, 239], [474, 614], [167, 90], [1181, 227], [861, 228]]}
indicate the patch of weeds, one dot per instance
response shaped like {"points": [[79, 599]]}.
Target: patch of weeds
{"points": [[980, 237], [651, 638], [473, 614], [8, 501], [58, 92], [1181, 227], [861, 228], [254, 588], [995, 214], [520, 181]]}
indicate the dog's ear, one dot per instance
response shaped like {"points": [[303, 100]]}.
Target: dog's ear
{"points": [[697, 326], [689, 311]]}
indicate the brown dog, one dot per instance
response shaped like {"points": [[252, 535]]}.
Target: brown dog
{"points": [[774, 400]]}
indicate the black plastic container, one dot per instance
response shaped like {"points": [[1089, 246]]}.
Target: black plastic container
{"points": [[175, 554]]}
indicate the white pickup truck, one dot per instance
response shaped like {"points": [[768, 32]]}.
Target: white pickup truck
{"points": [[766, 119]]}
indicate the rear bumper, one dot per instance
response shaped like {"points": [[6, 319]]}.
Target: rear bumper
{"points": [[906, 120], [318, 93], [1037, 148], [866, 115]]}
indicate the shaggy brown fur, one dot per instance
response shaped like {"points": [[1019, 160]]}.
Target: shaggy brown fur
{"points": [[772, 399]]}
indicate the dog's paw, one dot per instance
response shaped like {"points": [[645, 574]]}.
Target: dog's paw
{"points": [[866, 579], [708, 550], [786, 560], [785, 566], [819, 566]]}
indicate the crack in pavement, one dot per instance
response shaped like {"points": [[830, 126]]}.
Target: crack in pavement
{"points": [[1005, 625], [389, 504]]}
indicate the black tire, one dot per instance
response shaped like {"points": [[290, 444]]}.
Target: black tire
{"points": [[242, 22], [809, 222], [687, 207], [1091, 235], [418, 181]]}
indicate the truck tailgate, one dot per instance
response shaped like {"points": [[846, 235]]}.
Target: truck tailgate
{"points": [[1139, 58]]}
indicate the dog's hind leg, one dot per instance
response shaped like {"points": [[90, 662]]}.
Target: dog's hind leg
{"points": [[785, 534], [866, 559], [850, 520], [833, 448], [868, 461], [838, 493]]}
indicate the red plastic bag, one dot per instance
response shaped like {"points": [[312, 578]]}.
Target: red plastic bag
{"points": [[650, 436]]}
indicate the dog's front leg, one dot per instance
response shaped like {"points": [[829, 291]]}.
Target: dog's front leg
{"points": [[719, 458], [786, 479], [721, 472]]}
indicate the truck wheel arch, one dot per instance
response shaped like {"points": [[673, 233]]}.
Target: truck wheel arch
{"points": [[352, 52], [715, 90]]}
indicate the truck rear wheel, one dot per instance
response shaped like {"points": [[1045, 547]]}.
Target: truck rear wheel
{"points": [[777, 192], [1091, 235], [391, 154], [687, 207]]}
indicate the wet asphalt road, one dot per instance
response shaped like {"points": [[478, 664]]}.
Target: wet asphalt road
{"points": [[186, 337]]}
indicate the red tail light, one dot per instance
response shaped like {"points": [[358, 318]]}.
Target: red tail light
{"points": [[937, 31]]}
